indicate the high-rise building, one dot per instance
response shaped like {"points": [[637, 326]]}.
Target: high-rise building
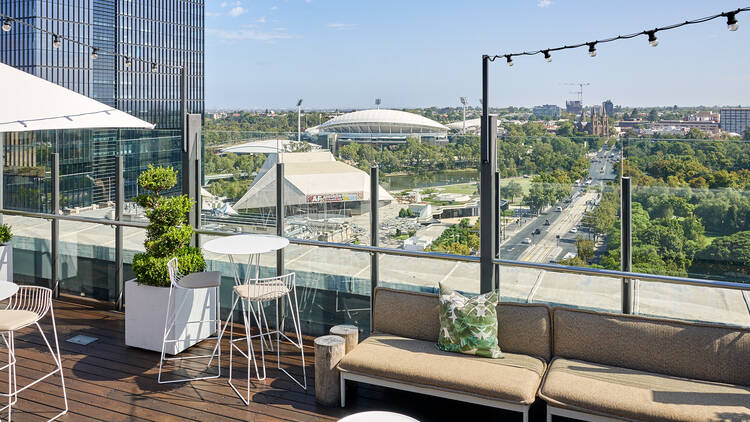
{"points": [[734, 119], [573, 106], [162, 32], [609, 108]]}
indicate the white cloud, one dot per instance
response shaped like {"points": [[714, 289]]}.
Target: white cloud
{"points": [[223, 4], [212, 14], [248, 34], [544, 3], [274, 7], [261, 19], [342, 26], [237, 11]]}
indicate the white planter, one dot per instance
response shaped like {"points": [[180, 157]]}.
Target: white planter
{"points": [[145, 312], [6, 263]]}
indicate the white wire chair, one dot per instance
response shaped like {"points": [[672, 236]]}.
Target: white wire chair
{"points": [[255, 294], [27, 307], [193, 281]]}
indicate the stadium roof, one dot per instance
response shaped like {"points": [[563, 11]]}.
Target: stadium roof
{"points": [[382, 121], [310, 178], [267, 146]]}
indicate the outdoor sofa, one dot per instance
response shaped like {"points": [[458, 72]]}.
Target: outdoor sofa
{"points": [[585, 365]]}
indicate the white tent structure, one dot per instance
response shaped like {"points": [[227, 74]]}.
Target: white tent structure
{"points": [[31, 103], [309, 178]]}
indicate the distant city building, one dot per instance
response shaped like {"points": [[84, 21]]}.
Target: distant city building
{"points": [[547, 110], [685, 126], [381, 126], [704, 116], [574, 107], [609, 108], [735, 119]]}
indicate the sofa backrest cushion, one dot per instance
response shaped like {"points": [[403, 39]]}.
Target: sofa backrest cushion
{"points": [[522, 328], [683, 349]]}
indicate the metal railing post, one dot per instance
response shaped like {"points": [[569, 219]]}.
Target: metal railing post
{"points": [[626, 245], [119, 205], [280, 216], [374, 200], [498, 231], [55, 225]]}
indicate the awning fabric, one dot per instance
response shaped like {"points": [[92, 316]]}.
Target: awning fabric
{"points": [[30, 103]]}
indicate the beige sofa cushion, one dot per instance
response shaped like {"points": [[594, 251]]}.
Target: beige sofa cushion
{"points": [[638, 395], [682, 349], [513, 379], [522, 328]]}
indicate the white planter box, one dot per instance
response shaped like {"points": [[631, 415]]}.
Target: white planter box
{"points": [[145, 313], [6, 263]]}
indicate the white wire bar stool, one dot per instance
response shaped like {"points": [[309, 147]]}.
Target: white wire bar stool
{"points": [[256, 294], [27, 307], [201, 280]]}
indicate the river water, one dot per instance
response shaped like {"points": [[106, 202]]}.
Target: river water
{"points": [[428, 179]]}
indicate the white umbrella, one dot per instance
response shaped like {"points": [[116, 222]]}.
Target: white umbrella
{"points": [[30, 103]]}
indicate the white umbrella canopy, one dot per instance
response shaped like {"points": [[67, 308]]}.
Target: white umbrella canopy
{"points": [[31, 103]]}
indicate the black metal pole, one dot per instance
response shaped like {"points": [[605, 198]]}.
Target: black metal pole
{"points": [[498, 220], [280, 216], [119, 205], [55, 226], [626, 244], [488, 195], [374, 200]]}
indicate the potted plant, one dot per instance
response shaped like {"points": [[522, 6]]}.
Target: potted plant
{"points": [[146, 296], [6, 253]]}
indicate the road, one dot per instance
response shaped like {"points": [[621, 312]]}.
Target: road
{"points": [[545, 247]]}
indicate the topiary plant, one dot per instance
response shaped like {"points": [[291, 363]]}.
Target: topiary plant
{"points": [[5, 234], [168, 234]]}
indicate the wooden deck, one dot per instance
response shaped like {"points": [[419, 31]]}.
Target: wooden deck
{"points": [[108, 381]]}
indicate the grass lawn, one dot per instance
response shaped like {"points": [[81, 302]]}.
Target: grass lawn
{"points": [[461, 189]]}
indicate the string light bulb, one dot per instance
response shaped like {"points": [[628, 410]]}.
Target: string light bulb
{"points": [[592, 49], [547, 56], [6, 24], [732, 24], [509, 59], [55, 41], [153, 67], [94, 53], [652, 40], [128, 62]]}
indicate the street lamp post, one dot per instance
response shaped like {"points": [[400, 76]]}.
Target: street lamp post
{"points": [[299, 120], [463, 102]]}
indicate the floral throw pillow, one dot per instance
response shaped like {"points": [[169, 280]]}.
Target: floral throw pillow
{"points": [[468, 324]]}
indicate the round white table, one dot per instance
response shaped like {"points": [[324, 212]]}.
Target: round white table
{"points": [[377, 417], [7, 289], [252, 245]]}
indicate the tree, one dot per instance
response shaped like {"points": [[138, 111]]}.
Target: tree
{"points": [[728, 254], [653, 115], [585, 248], [512, 190]]}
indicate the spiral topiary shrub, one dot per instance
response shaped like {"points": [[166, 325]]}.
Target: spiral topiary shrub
{"points": [[168, 232]]}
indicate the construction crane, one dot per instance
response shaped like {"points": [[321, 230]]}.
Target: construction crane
{"points": [[580, 86]]}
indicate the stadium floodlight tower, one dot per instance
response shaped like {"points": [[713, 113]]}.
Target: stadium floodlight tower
{"points": [[299, 120], [463, 102], [377, 103]]}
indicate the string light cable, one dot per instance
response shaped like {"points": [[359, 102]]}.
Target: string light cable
{"points": [[95, 52], [732, 25]]}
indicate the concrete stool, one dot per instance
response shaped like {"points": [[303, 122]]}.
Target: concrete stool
{"points": [[328, 352], [350, 333]]}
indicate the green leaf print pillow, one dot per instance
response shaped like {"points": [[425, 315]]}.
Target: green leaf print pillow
{"points": [[468, 324]]}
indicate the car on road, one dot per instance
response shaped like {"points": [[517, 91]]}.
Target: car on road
{"points": [[526, 241], [546, 222], [558, 209], [574, 230], [537, 231]]}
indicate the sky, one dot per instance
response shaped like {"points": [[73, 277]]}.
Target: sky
{"points": [[421, 53]]}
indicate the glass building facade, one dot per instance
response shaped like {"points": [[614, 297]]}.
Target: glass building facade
{"points": [[166, 32], [734, 119]]}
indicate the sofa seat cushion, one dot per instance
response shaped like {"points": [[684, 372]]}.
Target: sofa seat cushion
{"points": [[514, 379], [638, 395]]}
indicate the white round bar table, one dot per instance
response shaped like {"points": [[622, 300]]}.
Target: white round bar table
{"points": [[378, 416], [7, 289], [252, 245]]}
